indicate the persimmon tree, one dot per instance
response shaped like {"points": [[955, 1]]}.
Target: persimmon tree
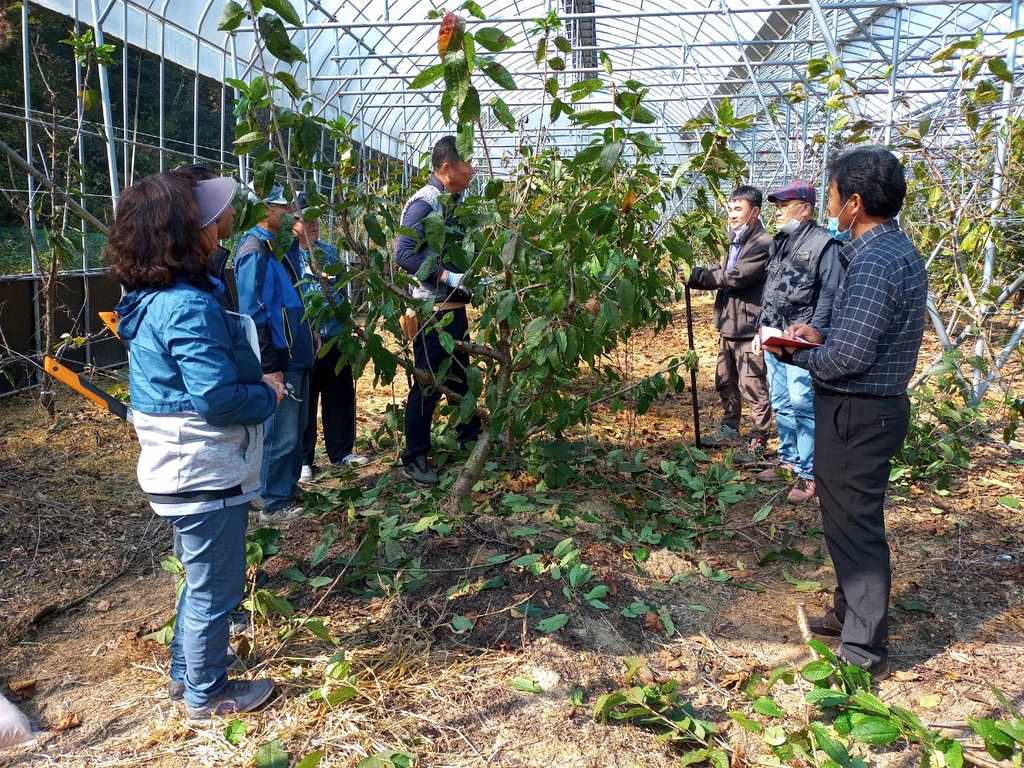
{"points": [[567, 256]]}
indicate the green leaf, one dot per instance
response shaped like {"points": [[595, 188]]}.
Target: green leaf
{"points": [[601, 218], [462, 624], [289, 81], [826, 697], [610, 156], [284, 9], [493, 39], [456, 78], [1010, 502], [271, 754], [293, 574], [557, 63], [464, 141], [318, 629], [870, 703], [235, 732], [817, 670], [831, 747], [766, 706], [526, 684], [445, 339], [373, 229], [312, 760], [874, 730], [802, 586], [469, 112], [594, 117], [553, 623], [541, 52], [232, 17], [388, 759], [277, 41], [606, 62], [746, 722], [502, 113], [319, 581], [762, 513], [427, 76], [500, 75], [474, 9]]}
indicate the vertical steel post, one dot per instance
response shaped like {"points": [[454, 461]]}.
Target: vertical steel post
{"points": [[26, 73], [108, 115]]}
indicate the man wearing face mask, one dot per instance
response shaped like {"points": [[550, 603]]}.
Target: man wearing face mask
{"points": [[739, 280], [861, 375], [803, 274]]}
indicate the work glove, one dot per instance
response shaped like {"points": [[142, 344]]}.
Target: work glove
{"points": [[454, 279]]}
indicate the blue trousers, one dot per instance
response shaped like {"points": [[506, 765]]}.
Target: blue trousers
{"points": [[213, 554], [282, 444], [793, 403]]}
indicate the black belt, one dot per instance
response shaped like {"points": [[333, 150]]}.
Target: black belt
{"points": [[187, 497], [821, 389]]}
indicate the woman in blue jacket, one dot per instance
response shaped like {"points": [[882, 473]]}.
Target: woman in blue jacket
{"points": [[199, 399]]}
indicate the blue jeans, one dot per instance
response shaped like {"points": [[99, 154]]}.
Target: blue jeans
{"points": [[213, 554], [282, 444], [793, 403]]}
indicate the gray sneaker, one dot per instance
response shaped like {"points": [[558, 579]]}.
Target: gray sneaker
{"points": [[282, 518], [418, 471], [176, 690], [352, 460], [724, 435], [237, 696]]}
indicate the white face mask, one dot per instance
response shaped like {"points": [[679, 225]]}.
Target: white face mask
{"points": [[741, 230], [790, 226]]}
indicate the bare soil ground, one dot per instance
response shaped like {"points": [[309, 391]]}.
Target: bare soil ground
{"points": [[81, 586]]}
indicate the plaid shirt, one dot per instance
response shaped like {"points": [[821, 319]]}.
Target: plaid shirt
{"points": [[877, 317]]}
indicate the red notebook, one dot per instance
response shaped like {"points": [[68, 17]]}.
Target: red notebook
{"points": [[773, 337]]}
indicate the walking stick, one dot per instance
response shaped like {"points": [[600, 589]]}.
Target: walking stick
{"points": [[693, 369]]}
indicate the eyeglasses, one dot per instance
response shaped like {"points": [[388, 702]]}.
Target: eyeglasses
{"points": [[789, 205]]}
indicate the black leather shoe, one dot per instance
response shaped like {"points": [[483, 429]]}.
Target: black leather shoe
{"points": [[878, 670], [826, 626]]}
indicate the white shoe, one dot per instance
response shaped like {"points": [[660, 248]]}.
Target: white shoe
{"points": [[353, 460], [282, 517], [307, 473]]}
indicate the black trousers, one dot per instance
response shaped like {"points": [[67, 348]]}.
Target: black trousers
{"points": [[335, 392], [431, 356], [855, 437]]}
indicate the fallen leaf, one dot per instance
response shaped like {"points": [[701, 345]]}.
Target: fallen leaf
{"points": [[978, 697], [930, 700], [103, 606], [70, 720], [21, 686], [652, 623], [906, 677]]}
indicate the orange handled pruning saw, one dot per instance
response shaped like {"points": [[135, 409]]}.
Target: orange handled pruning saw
{"points": [[86, 388]]}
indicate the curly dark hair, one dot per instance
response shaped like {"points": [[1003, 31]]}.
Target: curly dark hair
{"points": [[155, 238]]}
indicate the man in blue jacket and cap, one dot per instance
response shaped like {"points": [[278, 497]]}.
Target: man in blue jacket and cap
{"points": [[269, 292]]}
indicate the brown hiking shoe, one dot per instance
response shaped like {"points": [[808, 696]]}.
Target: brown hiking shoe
{"points": [[754, 453], [772, 474], [802, 491]]}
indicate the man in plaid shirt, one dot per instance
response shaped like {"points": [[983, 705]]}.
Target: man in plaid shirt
{"points": [[861, 407]]}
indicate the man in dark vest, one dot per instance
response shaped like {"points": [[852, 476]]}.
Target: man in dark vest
{"points": [[803, 274], [739, 280], [441, 284]]}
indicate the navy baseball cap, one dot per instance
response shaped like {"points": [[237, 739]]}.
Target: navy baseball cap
{"points": [[798, 190]]}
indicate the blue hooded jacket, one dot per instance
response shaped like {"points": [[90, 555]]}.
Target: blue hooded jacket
{"points": [[188, 354]]}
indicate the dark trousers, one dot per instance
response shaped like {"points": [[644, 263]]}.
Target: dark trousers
{"points": [[335, 392], [855, 437], [741, 375], [431, 356]]}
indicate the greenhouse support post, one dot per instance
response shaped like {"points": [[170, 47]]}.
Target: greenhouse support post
{"points": [[108, 115]]}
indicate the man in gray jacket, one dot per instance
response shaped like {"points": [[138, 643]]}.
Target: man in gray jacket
{"points": [[803, 275], [739, 280]]}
